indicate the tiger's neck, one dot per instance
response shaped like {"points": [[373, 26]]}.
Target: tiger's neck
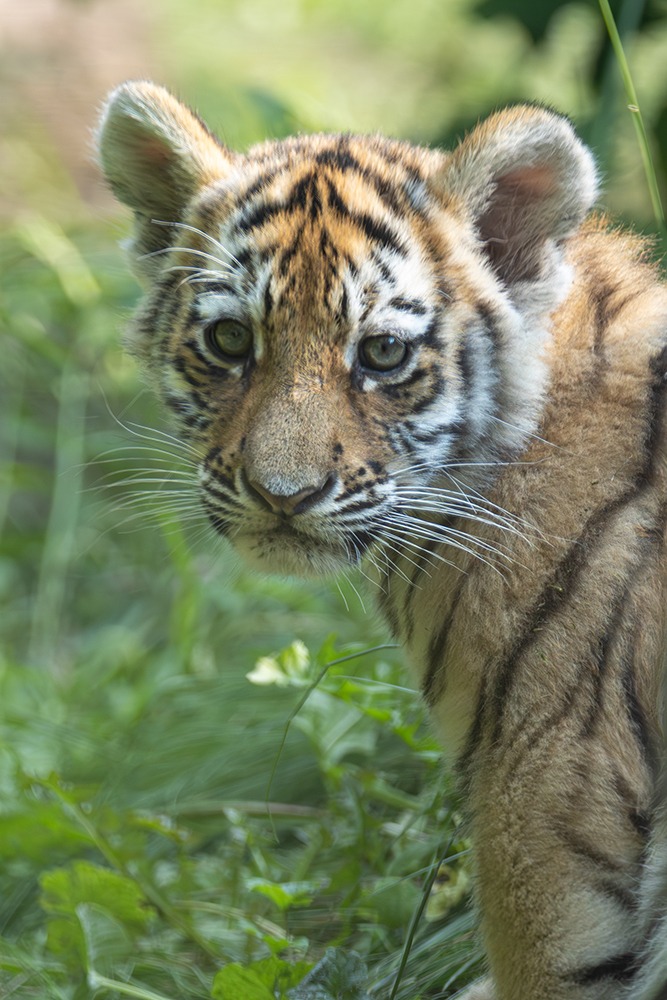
{"points": [[585, 488]]}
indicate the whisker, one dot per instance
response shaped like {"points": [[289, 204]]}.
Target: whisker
{"points": [[398, 551], [200, 232], [343, 597], [447, 539], [463, 514], [427, 556], [528, 434]]}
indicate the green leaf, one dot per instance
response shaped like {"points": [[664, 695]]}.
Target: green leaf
{"points": [[270, 977], [285, 894], [236, 981], [108, 944], [66, 892], [338, 976]]}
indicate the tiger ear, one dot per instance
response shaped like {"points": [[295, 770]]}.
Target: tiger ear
{"points": [[527, 181], [156, 155]]}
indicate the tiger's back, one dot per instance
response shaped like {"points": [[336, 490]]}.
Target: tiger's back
{"points": [[431, 363]]}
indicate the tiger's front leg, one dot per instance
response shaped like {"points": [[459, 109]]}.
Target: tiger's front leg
{"points": [[559, 859]]}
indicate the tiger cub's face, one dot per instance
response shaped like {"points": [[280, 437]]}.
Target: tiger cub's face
{"points": [[344, 326]]}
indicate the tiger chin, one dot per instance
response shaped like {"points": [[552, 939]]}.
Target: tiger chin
{"points": [[441, 366]]}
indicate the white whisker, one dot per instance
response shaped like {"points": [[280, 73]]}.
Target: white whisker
{"points": [[200, 232]]}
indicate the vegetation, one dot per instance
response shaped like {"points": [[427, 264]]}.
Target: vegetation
{"points": [[208, 779]]}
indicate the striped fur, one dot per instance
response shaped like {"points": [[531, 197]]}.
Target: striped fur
{"points": [[501, 470]]}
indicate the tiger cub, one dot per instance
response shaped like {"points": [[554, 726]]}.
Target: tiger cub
{"points": [[434, 364]]}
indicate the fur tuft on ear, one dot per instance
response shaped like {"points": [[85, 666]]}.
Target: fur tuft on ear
{"points": [[156, 155], [527, 182]]}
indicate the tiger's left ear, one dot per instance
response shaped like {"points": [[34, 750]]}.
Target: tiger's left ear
{"points": [[527, 182], [157, 156]]}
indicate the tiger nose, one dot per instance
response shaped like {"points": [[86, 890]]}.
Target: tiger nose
{"points": [[293, 503]]}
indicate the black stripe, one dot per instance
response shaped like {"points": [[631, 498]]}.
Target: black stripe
{"points": [[637, 717], [196, 378], [639, 818], [342, 159], [339, 157], [356, 506], [259, 215], [581, 846], [636, 712], [374, 229], [618, 967], [176, 404], [408, 305], [465, 758], [288, 254], [620, 894], [468, 360], [434, 679], [437, 433], [194, 398], [658, 366], [214, 516], [464, 362], [527, 739], [422, 560], [379, 232], [556, 593], [604, 648], [193, 346], [268, 298], [384, 269], [243, 259], [222, 487], [435, 390], [344, 307], [415, 376], [297, 198], [403, 436], [258, 185], [213, 285], [387, 608]]}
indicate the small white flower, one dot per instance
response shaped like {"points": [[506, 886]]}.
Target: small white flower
{"points": [[267, 670]]}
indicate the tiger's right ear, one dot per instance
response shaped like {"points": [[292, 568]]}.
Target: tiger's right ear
{"points": [[157, 156]]}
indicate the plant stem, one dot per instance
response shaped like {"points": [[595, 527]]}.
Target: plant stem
{"points": [[417, 915], [637, 119]]}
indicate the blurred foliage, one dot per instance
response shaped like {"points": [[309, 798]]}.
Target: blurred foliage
{"points": [[185, 789]]}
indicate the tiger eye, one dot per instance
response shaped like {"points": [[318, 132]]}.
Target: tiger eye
{"points": [[229, 340], [382, 353]]}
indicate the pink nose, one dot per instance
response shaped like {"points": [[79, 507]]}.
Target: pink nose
{"points": [[294, 503]]}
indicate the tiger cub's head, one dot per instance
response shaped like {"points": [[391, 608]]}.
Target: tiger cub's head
{"points": [[343, 325]]}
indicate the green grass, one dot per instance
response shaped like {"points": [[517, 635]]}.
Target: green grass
{"points": [[171, 828]]}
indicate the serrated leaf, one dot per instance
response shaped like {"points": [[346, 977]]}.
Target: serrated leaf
{"points": [[84, 882], [270, 976], [338, 976], [236, 981]]}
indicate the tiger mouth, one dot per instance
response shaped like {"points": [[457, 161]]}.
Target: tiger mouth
{"points": [[282, 544], [285, 550]]}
